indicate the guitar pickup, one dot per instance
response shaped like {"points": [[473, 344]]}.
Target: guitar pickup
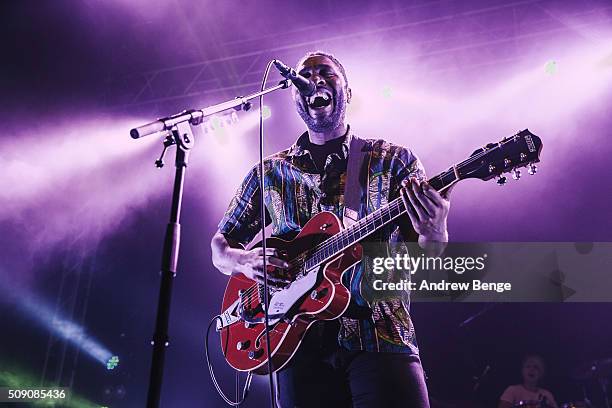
{"points": [[248, 315]]}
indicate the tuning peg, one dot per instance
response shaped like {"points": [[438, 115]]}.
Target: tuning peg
{"points": [[532, 169], [516, 174], [501, 180]]}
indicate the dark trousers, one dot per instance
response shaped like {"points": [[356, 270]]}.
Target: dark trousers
{"points": [[323, 374]]}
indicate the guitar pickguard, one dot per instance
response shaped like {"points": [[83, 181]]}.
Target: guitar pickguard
{"points": [[283, 300]]}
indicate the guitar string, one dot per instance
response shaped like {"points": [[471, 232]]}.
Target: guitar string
{"points": [[441, 176], [363, 227], [333, 242], [370, 220]]}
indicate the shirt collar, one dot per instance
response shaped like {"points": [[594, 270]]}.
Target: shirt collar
{"points": [[300, 147]]}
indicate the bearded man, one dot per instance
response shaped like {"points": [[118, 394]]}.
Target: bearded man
{"points": [[369, 356]]}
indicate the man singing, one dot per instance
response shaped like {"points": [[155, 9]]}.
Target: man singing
{"points": [[369, 357]]}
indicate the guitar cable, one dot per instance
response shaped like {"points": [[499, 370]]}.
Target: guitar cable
{"points": [[247, 384]]}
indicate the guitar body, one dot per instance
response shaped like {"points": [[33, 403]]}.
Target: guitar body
{"points": [[316, 291], [244, 344]]}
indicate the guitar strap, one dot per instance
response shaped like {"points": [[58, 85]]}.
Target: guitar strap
{"points": [[354, 201], [355, 185]]}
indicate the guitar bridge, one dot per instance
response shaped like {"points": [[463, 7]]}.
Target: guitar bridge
{"points": [[229, 316]]}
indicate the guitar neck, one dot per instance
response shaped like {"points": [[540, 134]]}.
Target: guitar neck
{"points": [[519, 150], [373, 222]]}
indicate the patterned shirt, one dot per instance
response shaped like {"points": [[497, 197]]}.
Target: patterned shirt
{"points": [[295, 192]]}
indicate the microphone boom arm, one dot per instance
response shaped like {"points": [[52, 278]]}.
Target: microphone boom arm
{"points": [[196, 116]]}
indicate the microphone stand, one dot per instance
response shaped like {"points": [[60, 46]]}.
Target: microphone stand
{"points": [[176, 130]]}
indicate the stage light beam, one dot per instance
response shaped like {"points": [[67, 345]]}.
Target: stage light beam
{"points": [[66, 329]]}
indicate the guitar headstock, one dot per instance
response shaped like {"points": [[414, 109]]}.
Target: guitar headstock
{"points": [[509, 155]]}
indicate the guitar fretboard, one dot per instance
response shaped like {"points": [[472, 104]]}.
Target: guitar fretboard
{"points": [[492, 160], [371, 223]]}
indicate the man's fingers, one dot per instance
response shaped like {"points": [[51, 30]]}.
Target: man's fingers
{"points": [[432, 194], [446, 193], [424, 200], [257, 264], [279, 263], [436, 197], [414, 218], [422, 213], [271, 277], [272, 280], [260, 252]]}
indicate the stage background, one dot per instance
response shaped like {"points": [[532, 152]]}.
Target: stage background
{"points": [[83, 209]]}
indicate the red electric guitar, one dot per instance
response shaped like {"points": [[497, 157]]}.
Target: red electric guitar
{"points": [[320, 255]]}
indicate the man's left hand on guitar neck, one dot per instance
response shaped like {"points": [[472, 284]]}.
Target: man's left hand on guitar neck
{"points": [[428, 213]]}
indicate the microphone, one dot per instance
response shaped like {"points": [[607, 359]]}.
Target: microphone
{"points": [[304, 85]]}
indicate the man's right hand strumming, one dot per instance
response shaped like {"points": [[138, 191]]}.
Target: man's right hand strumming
{"points": [[231, 258]]}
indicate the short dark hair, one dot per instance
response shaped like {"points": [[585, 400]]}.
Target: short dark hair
{"points": [[327, 55]]}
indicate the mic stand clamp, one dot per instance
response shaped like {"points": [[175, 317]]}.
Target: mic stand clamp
{"points": [[168, 141], [245, 106]]}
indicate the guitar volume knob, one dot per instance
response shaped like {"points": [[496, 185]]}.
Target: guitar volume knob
{"points": [[243, 345], [254, 354], [318, 294]]}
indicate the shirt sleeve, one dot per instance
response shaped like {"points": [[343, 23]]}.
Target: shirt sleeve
{"points": [[242, 220], [408, 166]]}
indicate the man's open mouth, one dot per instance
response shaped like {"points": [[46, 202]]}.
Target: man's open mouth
{"points": [[320, 99]]}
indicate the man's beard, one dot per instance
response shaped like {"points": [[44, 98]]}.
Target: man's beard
{"points": [[327, 123]]}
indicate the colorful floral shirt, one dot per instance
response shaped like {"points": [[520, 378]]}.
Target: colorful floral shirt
{"points": [[295, 191]]}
